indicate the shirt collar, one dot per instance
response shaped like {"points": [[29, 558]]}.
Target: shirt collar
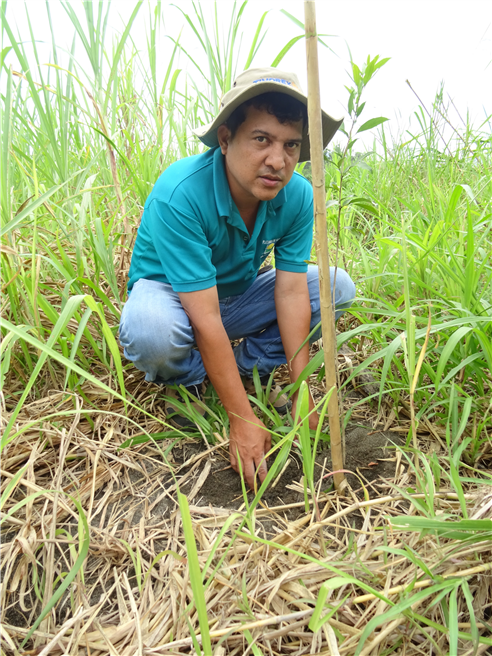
{"points": [[223, 198], [279, 199]]}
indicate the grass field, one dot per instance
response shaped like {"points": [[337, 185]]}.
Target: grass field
{"points": [[102, 552]]}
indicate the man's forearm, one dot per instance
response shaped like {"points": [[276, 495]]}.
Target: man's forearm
{"points": [[294, 318], [220, 365], [249, 440]]}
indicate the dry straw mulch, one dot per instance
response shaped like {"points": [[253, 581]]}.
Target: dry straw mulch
{"points": [[261, 593]]}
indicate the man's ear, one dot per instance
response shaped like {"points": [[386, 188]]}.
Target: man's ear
{"points": [[223, 136]]}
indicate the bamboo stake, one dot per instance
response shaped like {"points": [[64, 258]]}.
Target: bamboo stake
{"points": [[318, 173]]}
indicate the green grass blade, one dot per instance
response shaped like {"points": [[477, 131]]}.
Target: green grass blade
{"points": [[451, 343], [46, 351], [471, 611], [11, 485], [453, 621], [467, 526], [254, 44], [398, 610], [286, 49], [83, 551], [195, 573], [113, 346], [11, 225]]}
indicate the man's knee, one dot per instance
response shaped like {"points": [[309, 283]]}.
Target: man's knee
{"points": [[344, 292], [155, 335], [344, 287], [313, 285]]}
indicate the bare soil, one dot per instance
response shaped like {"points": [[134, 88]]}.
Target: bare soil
{"points": [[369, 456]]}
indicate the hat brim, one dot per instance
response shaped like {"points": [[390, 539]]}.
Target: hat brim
{"points": [[208, 133]]}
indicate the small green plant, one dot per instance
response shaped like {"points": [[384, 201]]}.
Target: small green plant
{"points": [[65, 581], [340, 163], [195, 576], [307, 446]]}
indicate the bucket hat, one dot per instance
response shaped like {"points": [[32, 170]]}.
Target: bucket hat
{"points": [[254, 82]]}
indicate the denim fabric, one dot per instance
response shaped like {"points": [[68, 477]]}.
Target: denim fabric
{"points": [[158, 338]]}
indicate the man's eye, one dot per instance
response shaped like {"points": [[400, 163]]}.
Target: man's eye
{"points": [[261, 139], [292, 145]]}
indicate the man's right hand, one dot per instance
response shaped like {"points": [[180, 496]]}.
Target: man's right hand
{"points": [[248, 436], [249, 440]]}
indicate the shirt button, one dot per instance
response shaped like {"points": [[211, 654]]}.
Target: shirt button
{"points": [[246, 239]]}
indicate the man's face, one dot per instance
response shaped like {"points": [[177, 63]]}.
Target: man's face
{"points": [[260, 158]]}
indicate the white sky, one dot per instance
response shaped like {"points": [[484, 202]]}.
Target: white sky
{"points": [[429, 42]]}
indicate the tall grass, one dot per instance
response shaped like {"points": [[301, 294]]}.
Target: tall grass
{"points": [[412, 221]]}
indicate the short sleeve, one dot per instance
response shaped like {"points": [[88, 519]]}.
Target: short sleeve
{"points": [[293, 250], [182, 247]]}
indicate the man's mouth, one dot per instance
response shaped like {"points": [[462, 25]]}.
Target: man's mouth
{"points": [[270, 180]]}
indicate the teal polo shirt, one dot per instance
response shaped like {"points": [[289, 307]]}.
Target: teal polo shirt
{"points": [[193, 237]]}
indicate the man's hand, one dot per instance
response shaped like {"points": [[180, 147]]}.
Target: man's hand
{"points": [[249, 440], [248, 436]]}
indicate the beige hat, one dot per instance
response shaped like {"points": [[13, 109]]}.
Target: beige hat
{"points": [[254, 82]]}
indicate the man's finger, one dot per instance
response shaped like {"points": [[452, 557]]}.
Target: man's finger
{"points": [[262, 471], [233, 458], [249, 474]]}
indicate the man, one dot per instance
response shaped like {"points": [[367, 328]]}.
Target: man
{"points": [[209, 223]]}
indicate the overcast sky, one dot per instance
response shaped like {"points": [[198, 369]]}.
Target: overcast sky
{"points": [[429, 42]]}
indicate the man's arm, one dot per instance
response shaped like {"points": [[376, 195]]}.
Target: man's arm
{"points": [[248, 436], [294, 317]]}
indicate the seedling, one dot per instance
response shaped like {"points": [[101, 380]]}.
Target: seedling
{"points": [[307, 445]]}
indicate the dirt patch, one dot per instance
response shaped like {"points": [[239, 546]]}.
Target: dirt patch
{"points": [[370, 456]]}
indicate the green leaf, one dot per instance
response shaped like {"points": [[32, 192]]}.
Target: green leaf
{"points": [[356, 76], [196, 578], [83, 551], [115, 60], [399, 609], [285, 50], [18, 218], [372, 123], [11, 485], [254, 44], [448, 349], [458, 487], [317, 621], [110, 339], [293, 19], [453, 621], [350, 106], [471, 611], [380, 63], [466, 526], [256, 651], [3, 54]]}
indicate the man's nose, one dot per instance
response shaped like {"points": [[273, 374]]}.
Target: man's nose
{"points": [[275, 157]]}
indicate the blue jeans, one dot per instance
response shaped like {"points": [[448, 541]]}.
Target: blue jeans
{"points": [[157, 336]]}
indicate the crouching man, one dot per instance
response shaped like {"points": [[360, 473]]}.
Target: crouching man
{"points": [[207, 227]]}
